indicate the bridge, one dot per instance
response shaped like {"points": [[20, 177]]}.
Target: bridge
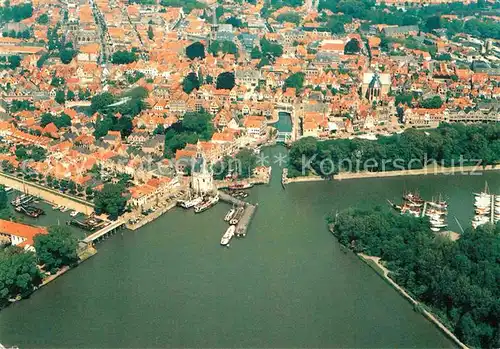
{"points": [[283, 136], [109, 229]]}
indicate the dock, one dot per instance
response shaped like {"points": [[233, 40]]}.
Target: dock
{"points": [[248, 213], [492, 207]]}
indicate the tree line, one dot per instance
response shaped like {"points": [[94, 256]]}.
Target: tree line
{"points": [[448, 145], [458, 280]]}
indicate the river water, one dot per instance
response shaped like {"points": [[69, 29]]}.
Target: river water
{"points": [[287, 284]]}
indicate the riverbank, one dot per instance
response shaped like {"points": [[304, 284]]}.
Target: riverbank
{"points": [[431, 170], [51, 196], [384, 273]]}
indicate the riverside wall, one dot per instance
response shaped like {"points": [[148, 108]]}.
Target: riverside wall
{"points": [[47, 194]]}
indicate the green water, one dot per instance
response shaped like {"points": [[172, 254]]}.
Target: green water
{"points": [[284, 123], [287, 284]]}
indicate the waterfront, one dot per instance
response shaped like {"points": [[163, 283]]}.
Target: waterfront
{"points": [[288, 283]]}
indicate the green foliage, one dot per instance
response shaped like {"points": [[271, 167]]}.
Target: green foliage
{"points": [[443, 57], [194, 127], [187, 5], [225, 81], [256, 54], [111, 200], [336, 25], [20, 105], [291, 17], [295, 80], [43, 19], [195, 50], [57, 248], [27, 152], [3, 198], [432, 23], [15, 13], [270, 49], [353, 46], [449, 144], [432, 103], [151, 33], [133, 77], [223, 46], [11, 62], [25, 34], [66, 55], [123, 57], [282, 3], [57, 81], [235, 22], [246, 161], [60, 97], [101, 101], [19, 274], [64, 120], [458, 279], [404, 98], [190, 83]]}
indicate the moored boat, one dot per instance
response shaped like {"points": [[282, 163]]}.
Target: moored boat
{"points": [[229, 215], [239, 186], [190, 203], [228, 235]]}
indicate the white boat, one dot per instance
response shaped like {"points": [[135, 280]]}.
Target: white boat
{"points": [[7, 189], [56, 207], [228, 235], [64, 209], [434, 229], [229, 215], [190, 203], [73, 213]]}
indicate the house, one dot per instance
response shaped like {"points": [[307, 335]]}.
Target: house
{"points": [[20, 235], [255, 125]]}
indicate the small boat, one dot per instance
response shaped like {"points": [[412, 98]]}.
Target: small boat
{"points": [[413, 197], [190, 203], [229, 215], [64, 209], [228, 235], [7, 189], [74, 213], [434, 229], [56, 207]]}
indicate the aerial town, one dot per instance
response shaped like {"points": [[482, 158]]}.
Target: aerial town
{"points": [[117, 111]]}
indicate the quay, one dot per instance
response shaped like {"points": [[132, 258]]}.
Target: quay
{"points": [[248, 213], [50, 195], [109, 229]]}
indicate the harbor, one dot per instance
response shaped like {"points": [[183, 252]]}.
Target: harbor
{"points": [[486, 208], [185, 247]]}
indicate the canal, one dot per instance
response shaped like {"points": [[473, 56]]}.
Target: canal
{"points": [[287, 284]]}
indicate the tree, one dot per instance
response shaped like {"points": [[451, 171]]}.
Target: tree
{"points": [[57, 248], [43, 19], [123, 57], [335, 25], [46, 119], [256, 54], [125, 126], [19, 273], [223, 46], [60, 97], [190, 83], [225, 81], [151, 33], [110, 200], [432, 23], [352, 47], [432, 103], [195, 50], [271, 49], [66, 55], [291, 17], [295, 80], [3, 197], [235, 22], [209, 80], [101, 101], [247, 161], [70, 95]]}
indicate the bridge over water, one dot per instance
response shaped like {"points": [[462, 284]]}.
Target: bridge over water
{"points": [[109, 229]]}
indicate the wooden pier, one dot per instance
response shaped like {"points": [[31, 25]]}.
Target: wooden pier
{"points": [[248, 213]]}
